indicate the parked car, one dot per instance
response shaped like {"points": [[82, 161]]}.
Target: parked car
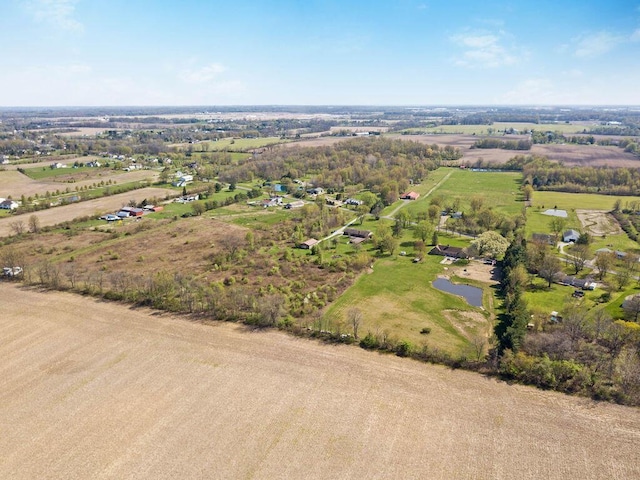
{"points": [[110, 217], [11, 271]]}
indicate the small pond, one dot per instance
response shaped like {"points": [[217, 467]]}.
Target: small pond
{"points": [[473, 295]]}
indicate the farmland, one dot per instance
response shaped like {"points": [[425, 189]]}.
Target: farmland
{"points": [[231, 256], [105, 391]]}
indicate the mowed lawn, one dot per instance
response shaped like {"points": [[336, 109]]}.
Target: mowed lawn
{"points": [[499, 190]]}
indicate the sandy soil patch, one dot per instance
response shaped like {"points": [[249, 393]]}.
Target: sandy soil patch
{"points": [[598, 222], [97, 390], [95, 207], [476, 270]]}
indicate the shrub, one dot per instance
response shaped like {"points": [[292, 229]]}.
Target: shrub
{"points": [[370, 342]]}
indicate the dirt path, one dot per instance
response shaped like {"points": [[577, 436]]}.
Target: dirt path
{"points": [[97, 390], [96, 207]]}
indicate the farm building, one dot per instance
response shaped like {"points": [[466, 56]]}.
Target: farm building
{"points": [[354, 232], [447, 251], [271, 202], [570, 236], [133, 211], [353, 201], [308, 244], [316, 191], [410, 196], [583, 283], [153, 208], [182, 180]]}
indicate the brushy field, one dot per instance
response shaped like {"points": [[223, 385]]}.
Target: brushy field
{"points": [[95, 389]]}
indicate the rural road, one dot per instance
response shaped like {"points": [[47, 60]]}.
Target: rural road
{"points": [[94, 389], [96, 207]]}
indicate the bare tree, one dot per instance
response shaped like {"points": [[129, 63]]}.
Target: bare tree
{"points": [[34, 224], [354, 316], [631, 308], [604, 262], [18, 227], [579, 257]]}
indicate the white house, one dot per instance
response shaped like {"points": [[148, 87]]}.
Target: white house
{"points": [[570, 236], [9, 204], [182, 179]]}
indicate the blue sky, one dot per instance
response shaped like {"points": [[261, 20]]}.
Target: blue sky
{"points": [[313, 52]]}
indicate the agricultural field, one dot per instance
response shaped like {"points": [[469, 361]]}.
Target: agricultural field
{"points": [[15, 184], [67, 213], [231, 144], [108, 391], [498, 128]]}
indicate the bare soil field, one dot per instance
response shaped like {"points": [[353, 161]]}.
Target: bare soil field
{"points": [[15, 184], [588, 155], [98, 390], [598, 222], [570, 155], [67, 213]]}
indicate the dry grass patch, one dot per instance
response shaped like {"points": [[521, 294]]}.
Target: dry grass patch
{"points": [[598, 222]]}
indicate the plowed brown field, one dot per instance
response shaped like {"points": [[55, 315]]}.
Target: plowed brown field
{"points": [[98, 390]]}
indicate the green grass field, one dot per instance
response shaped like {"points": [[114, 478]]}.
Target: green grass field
{"points": [[572, 201], [499, 190], [47, 172], [397, 298]]}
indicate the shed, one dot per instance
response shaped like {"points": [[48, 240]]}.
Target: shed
{"points": [[570, 236], [308, 244]]}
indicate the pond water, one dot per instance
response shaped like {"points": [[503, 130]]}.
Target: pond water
{"points": [[473, 295]]}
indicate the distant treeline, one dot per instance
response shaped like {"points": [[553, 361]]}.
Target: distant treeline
{"points": [[503, 144], [381, 165]]}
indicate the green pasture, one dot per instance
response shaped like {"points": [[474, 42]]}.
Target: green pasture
{"points": [[397, 299], [572, 201], [499, 190], [40, 173]]}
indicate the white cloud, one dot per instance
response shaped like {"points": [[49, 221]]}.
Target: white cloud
{"points": [[483, 50], [596, 44], [204, 74], [58, 13], [635, 36]]}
